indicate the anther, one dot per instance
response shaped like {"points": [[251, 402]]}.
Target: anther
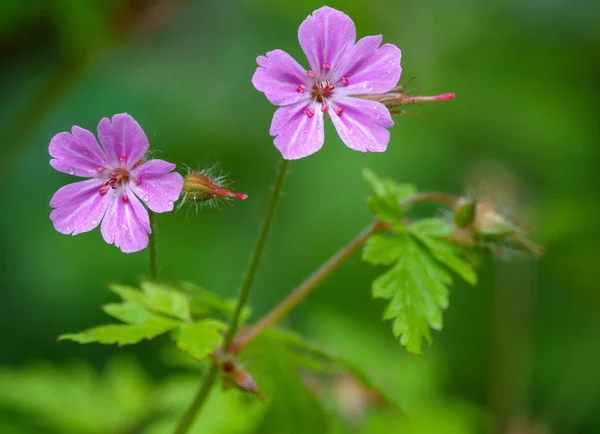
{"points": [[345, 81], [311, 74], [137, 180], [339, 110], [325, 65], [324, 108], [301, 88], [100, 169], [124, 198], [123, 159], [310, 112], [103, 190]]}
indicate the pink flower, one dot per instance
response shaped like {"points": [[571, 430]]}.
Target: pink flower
{"points": [[118, 176], [340, 70]]}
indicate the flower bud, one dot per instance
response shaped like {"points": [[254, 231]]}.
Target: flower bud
{"points": [[206, 188]]}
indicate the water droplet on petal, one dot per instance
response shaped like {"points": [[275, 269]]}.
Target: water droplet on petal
{"points": [[68, 229], [171, 203], [146, 198], [94, 222], [71, 171]]}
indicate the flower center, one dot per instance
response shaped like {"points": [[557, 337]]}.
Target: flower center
{"points": [[321, 90]]}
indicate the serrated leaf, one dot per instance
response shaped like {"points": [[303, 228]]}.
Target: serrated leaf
{"points": [[128, 293], [200, 338], [381, 250], [166, 300], [427, 231], [417, 288], [122, 334], [129, 312], [388, 196]]}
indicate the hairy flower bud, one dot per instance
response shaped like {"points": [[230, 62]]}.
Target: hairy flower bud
{"points": [[206, 188]]}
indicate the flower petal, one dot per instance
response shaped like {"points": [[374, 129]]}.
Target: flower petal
{"points": [[362, 124], [79, 207], [326, 37], [123, 138], [76, 153], [298, 135], [370, 69], [153, 183], [279, 76], [126, 224]]}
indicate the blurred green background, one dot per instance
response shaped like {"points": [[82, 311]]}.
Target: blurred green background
{"points": [[518, 354]]}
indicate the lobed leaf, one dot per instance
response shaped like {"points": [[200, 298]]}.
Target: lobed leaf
{"points": [[129, 312], [388, 196]]}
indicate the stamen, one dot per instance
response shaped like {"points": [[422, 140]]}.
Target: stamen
{"points": [[339, 110], [100, 169], [310, 112], [325, 65], [311, 74], [345, 81], [138, 180], [324, 108], [301, 88], [123, 159], [124, 198], [103, 190]]}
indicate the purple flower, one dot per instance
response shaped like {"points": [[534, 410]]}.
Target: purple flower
{"points": [[340, 70], [118, 176]]}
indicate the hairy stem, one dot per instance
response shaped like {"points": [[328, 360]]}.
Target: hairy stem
{"points": [[256, 254], [152, 246], [306, 287], [192, 412]]}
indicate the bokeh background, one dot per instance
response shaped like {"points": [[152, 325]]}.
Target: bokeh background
{"points": [[519, 353]]}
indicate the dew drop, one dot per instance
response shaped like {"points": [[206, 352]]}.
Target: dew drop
{"points": [[71, 171], [171, 203], [146, 198], [68, 229], [94, 222]]}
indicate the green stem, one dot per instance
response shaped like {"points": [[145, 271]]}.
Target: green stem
{"points": [[152, 246], [192, 412], [256, 254]]}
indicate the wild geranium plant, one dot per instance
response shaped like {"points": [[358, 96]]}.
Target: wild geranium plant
{"points": [[356, 85]]}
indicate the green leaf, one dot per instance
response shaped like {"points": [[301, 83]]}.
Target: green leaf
{"points": [[382, 250], [200, 338], [388, 196], [122, 334], [427, 231], [164, 299], [129, 312], [156, 297], [417, 288]]}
